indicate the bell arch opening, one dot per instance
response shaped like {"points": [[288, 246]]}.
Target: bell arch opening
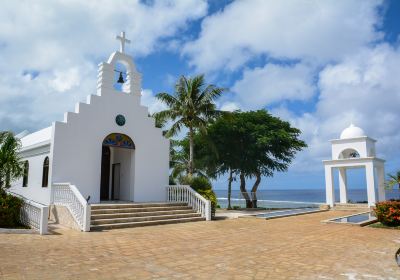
{"points": [[117, 167], [122, 76], [349, 153]]}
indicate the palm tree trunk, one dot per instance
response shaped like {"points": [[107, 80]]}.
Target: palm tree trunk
{"points": [[244, 192], [254, 189], [230, 188], [191, 152]]}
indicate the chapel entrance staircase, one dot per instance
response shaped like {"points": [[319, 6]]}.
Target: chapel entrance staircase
{"points": [[124, 215]]}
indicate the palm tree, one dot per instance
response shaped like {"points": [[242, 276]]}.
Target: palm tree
{"points": [[393, 180], [190, 106], [10, 165], [178, 160]]}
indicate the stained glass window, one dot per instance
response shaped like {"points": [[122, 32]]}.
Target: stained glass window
{"points": [[119, 140]]}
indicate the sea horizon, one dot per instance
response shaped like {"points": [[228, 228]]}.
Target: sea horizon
{"points": [[293, 198]]}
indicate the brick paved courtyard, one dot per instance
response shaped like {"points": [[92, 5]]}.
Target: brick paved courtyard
{"points": [[287, 248]]}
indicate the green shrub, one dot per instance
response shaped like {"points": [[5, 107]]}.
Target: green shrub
{"points": [[203, 186], [197, 183], [388, 212], [10, 207], [171, 180]]}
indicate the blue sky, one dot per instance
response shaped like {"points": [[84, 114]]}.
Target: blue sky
{"points": [[318, 64]]}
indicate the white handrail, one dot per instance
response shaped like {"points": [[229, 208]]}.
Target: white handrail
{"points": [[183, 193], [33, 214], [68, 195]]}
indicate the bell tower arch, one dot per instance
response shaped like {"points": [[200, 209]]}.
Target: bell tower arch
{"points": [[106, 73]]}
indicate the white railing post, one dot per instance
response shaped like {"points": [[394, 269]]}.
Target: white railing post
{"points": [[208, 210], [86, 224], [44, 214]]}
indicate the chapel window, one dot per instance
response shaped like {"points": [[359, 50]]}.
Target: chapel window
{"points": [[45, 178], [26, 174]]}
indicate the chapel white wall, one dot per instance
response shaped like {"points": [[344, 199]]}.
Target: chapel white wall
{"points": [[77, 146], [34, 191]]}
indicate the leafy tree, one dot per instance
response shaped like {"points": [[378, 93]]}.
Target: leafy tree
{"points": [[252, 144], [215, 154], [394, 180], [191, 106], [10, 165]]}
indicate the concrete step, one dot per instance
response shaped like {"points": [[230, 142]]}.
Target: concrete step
{"points": [[134, 205], [143, 219], [139, 214], [138, 209], [146, 223]]}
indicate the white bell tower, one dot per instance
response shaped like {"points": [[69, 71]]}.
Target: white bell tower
{"points": [[354, 150], [107, 70]]}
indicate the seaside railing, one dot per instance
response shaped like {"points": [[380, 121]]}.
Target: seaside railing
{"points": [[33, 214], [183, 193], [65, 194]]}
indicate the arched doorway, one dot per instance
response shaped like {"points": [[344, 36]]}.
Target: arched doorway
{"points": [[117, 162]]}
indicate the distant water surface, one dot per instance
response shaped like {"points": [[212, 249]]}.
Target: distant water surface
{"points": [[285, 198]]}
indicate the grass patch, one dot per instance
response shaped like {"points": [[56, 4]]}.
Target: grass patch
{"points": [[379, 225]]}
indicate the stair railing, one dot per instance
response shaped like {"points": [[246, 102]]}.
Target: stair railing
{"points": [[68, 195], [185, 194], [33, 214]]}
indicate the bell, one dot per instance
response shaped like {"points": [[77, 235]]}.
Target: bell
{"points": [[120, 79]]}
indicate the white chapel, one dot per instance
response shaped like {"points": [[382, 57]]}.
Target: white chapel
{"points": [[354, 150], [108, 147]]}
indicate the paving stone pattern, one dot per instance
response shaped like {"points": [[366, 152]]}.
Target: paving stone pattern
{"points": [[247, 248]]}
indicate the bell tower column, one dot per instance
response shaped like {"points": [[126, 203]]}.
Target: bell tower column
{"points": [[381, 183], [343, 185], [369, 170], [330, 191]]}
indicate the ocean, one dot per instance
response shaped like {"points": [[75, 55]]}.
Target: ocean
{"points": [[294, 198]]}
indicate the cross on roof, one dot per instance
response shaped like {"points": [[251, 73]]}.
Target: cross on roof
{"points": [[122, 40]]}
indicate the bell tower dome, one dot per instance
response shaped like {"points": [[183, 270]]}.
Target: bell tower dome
{"points": [[354, 150]]}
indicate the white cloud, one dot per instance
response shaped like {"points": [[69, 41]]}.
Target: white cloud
{"points": [[273, 83], [55, 46], [317, 30], [229, 106], [337, 52], [363, 89], [149, 100], [65, 80]]}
